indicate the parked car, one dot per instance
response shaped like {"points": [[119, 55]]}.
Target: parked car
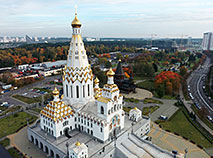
{"points": [[163, 117], [210, 118], [24, 94]]}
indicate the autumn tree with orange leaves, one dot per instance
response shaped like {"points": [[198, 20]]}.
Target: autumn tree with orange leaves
{"points": [[167, 82]]}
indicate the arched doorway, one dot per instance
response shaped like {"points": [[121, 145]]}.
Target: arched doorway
{"points": [[41, 145], [32, 139], [51, 153], [57, 156], [66, 132], [36, 142], [46, 150]]}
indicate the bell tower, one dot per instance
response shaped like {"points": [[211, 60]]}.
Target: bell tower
{"points": [[77, 77]]}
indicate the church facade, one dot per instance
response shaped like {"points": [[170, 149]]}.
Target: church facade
{"points": [[83, 107]]}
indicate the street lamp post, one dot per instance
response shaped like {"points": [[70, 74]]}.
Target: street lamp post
{"points": [[186, 151], [67, 145]]}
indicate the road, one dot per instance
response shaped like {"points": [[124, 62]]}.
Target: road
{"points": [[8, 96], [196, 82]]}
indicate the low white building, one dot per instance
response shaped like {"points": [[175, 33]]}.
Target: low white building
{"points": [[50, 72], [78, 150], [135, 114], [22, 67]]}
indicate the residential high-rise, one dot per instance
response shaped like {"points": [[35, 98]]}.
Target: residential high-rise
{"points": [[207, 44]]}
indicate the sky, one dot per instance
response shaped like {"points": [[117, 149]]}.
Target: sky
{"points": [[107, 18]]}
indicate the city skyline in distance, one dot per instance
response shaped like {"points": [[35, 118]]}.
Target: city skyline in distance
{"points": [[123, 18]]}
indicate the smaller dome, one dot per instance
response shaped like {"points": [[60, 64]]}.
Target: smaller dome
{"points": [[110, 72], [77, 143], [76, 22], [96, 80], [135, 108], [55, 91]]}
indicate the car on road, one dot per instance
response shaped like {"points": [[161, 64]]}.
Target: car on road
{"points": [[190, 94], [210, 118]]}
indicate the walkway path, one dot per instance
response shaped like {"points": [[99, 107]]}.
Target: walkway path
{"points": [[171, 142]]}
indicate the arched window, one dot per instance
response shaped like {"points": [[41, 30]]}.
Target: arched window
{"points": [[109, 112], [77, 91], [83, 91], [88, 90], [67, 90], [102, 110], [71, 91], [115, 107]]}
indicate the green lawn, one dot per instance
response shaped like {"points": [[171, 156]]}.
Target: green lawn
{"points": [[27, 99], [36, 110], [148, 85], [150, 100], [14, 153], [132, 100], [179, 124], [204, 119], [141, 78], [14, 122], [14, 108], [126, 109], [5, 142], [150, 109]]}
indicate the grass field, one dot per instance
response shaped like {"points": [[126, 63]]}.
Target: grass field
{"points": [[204, 119], [14, 122], [14, 153], [31, 100], [5, 142], [150, 109], [148, 85], [179, 124], [132, 100], [12, 109], [27, 99], [126, 109], [150, 100], [36, 110]]}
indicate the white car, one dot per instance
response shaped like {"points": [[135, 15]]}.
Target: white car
{"points": [[209, 118], [24, 94]]}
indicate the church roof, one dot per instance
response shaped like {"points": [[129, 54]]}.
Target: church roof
{"points": [[56, 110], [76, 22], [119, 69]]}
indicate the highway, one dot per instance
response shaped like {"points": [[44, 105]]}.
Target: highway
{"points": [[196, 81]]}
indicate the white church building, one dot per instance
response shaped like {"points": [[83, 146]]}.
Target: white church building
{"points": [[81, 121]]}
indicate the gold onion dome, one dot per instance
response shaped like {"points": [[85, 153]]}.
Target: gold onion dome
{"points": [[76, 22], [96, 80], [55, 91], [110, 72], [77, 143], [135, 108]]}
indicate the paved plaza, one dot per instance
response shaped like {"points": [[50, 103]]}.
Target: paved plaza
{"points": [[140, 95], [171, 142]]}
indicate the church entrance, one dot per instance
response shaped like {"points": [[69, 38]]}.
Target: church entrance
{"points": [[66, 132]]}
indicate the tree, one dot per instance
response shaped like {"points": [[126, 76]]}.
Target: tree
{"points": [[183, 71]]}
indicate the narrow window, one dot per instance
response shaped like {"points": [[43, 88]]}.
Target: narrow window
{"points": [[71, 91], [88, 90], [102, 110], [77, 91], [83, 91], [67, 90]]}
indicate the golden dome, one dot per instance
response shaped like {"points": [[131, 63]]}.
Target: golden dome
{"points": [[110, 72], [96, 80], [55, 91], [119, 60], [76, 22], [135, 108], [77, 143]]}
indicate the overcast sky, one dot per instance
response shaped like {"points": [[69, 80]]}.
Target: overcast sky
{"points": [[107, 18]]}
